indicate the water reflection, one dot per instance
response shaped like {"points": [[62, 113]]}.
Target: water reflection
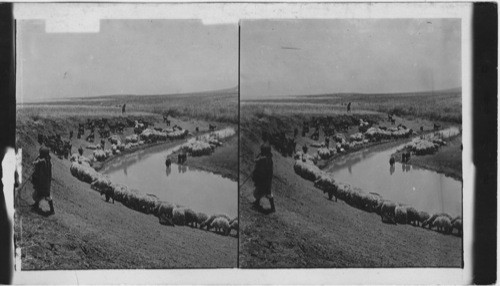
{"points": [[426, 190], [200, 190]]}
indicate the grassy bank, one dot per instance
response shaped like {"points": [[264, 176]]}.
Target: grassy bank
{"points": [[308, 230], [88, 233]]}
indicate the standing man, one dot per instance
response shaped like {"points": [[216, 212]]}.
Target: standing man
{"points": [[349, 107], [263, 175], [42, 178], [123, 108]]}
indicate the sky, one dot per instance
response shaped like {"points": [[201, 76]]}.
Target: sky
{"points": [[125, 57], [302, 57]]}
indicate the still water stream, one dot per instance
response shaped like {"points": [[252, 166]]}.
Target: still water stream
{"points": [[426, 190], [203, 191]]}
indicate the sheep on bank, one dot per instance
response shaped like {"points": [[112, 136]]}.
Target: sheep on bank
{"points": [[370, 202], [201, 218], [190, 217], [148, 203], [413, 216], [401, 214], [456, 223], [307, 171], [431, 219], [104, 186], [198, 148], [234, 225], [119, 192], [422, 147], [151, 135], [422, 217], [221, 225], [208, 222], [178, 216], [165, 209], [84, 173], [356, 137], [178, 134], [325, 153], [114, 139], [443, 224], [100, 155], [387, 211], [134, 138], [326, 183], [80, 159]]}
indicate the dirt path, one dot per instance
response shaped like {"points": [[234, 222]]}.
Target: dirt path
{"points": [[86, 232]]}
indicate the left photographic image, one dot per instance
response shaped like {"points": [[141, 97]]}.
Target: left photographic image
{"points": [[129, 145]]}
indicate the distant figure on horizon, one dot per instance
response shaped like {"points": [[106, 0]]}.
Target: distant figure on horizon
{"points": [[123, 108], [349, 107]]}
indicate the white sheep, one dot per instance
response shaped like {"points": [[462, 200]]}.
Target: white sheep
{"points": [[443, 224], [104, 186], [201, 218], [401, 214], [234, 225], [190, 217], [178, 216], [307, 171], [456, 223], [387, 211], [208, 222], [221, 225]]}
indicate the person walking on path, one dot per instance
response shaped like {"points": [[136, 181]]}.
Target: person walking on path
{"points": [[42, 178]]}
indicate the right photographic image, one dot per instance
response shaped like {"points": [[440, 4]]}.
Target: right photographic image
{"points": [[351, 143]]}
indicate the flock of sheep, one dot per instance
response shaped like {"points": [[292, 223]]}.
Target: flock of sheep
{"points": [[421, 146], [168, 213], [389, 211], [341, 143]]}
